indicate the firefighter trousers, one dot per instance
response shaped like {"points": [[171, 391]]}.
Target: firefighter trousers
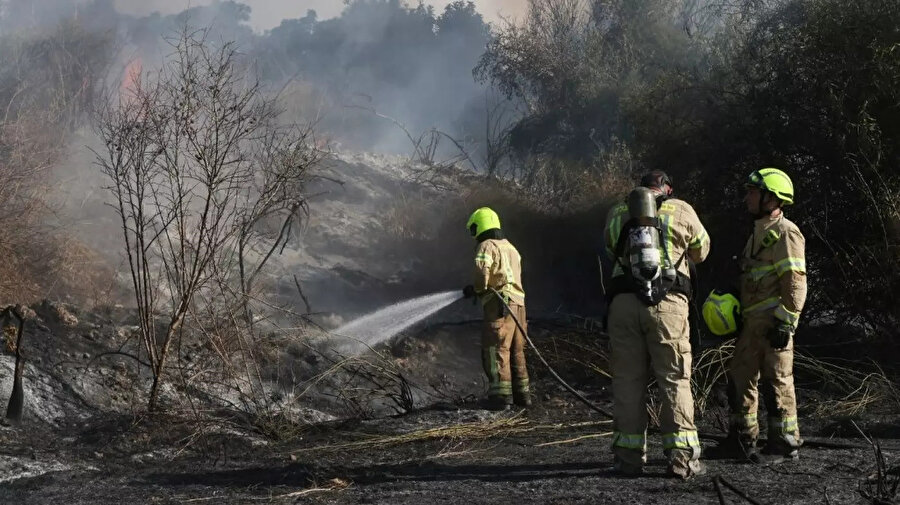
{"points": [[503, 350], [652, 340], [754, 358]]}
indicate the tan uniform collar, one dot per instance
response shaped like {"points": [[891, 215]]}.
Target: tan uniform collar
{"points": [[769, 219]]}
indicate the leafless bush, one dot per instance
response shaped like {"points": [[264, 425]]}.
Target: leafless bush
{"points": [[556, 185], [201, 172], [498, 124], [46, 81], [880, 487], [367, 383]]}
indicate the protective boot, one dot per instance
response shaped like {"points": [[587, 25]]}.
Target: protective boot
{"points": [[686, 472], [772, 458], [684, 462], [522, 399], [626, 469], [733, 447], [498, 403], [776, 452]]}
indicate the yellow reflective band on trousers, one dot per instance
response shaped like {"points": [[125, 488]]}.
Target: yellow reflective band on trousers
{"points": [[681, 440], [502, 388], [629, 440], [745, 420], [768, 303], [493, 373], [496, 387], [784, 424], [790, 265], [521, 386], [783, 314]]}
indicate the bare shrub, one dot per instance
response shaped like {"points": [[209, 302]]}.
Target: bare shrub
{"points": [[46, 81], [207, 184]]}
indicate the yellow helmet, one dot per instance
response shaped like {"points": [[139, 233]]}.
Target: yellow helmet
{"points": [[721, 312], [482, 220], [774, 180]]}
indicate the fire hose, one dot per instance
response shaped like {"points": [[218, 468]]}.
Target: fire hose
{"points": [[592, 406], [555, 375]]}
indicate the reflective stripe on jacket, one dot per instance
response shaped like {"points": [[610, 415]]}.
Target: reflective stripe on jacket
{"points": [[681, 231], [498, 265], [773, 265]]}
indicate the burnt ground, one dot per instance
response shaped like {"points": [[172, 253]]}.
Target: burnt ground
{"points": [[99, 450]]}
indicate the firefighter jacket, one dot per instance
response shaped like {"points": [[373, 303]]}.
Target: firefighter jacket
{"points": [[498, 265], [773, 269], [681, 234]]}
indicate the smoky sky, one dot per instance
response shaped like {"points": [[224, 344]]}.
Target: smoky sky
{"points": [[269, 13]]}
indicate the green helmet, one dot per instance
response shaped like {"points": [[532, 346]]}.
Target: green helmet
{"points": [[482, 220], [775, 181], [721, 312]]}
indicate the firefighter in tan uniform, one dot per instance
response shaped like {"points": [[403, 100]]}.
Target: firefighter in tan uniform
{"points": [[498, 269], [773, 291], [648, 323]]}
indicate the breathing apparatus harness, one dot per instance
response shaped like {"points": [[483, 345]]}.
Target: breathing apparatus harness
{"points": [[649, 274]]}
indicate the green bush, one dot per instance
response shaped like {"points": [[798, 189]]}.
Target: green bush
{"points": [[710, 93]]}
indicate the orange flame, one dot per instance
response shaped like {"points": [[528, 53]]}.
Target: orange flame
{"points": [[131, 83]]}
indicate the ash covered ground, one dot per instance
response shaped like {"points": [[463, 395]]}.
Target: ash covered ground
{"points": [[86, 440]]}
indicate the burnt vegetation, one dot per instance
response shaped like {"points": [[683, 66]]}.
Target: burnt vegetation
{"points": [[213, 143]]}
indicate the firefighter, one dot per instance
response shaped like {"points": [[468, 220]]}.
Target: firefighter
{"points": [[651, 239], [498, 269], [773, 291]]}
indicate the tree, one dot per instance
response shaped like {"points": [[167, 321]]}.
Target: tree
{"points": [[198, 164]]}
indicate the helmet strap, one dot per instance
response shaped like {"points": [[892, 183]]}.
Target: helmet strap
{"points": [[766, 196]]}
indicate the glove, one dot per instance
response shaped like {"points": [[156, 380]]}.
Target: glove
{"points": [[780, 335], [469, 291]]}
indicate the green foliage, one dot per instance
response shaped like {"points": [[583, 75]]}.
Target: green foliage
{"points": [[709, 92], [576, 64]]}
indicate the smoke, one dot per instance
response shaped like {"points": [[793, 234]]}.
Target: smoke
{"points": [[366, 67], [380, 58], [268, 14], [344, 65]]}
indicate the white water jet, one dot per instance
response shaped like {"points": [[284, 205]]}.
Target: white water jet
{"points": [[383, 324]]}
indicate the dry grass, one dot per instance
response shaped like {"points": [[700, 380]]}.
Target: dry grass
{"points": [[854, 386], [860, 387], [709, 369], [482, 430]]}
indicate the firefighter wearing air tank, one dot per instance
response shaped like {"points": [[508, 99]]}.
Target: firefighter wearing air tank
{"points": [[651, 239], [498, 269], [773, 291]]}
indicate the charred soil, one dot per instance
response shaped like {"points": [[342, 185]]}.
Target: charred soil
{"points": [[98, 447]]}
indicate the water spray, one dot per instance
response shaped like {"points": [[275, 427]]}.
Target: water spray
{"points": [[383, 324]]}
